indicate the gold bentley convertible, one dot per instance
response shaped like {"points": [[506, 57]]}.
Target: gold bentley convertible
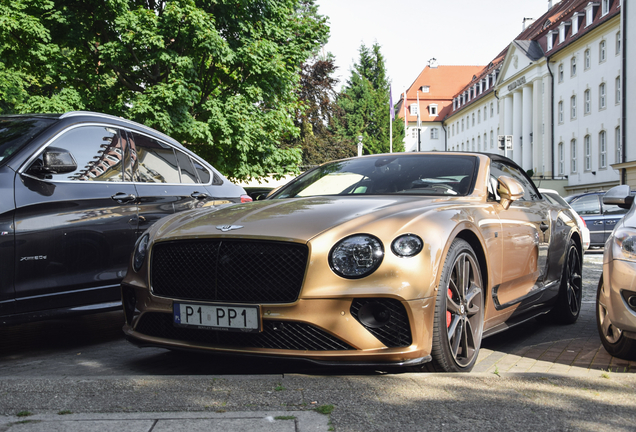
{"points": [[393, 259]]}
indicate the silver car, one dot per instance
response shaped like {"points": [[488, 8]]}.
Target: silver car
{"points": [[616, 295]]}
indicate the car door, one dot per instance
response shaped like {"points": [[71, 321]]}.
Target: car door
{"points": [[526, 229], [74, 232], [165, 179], [589, 208]]}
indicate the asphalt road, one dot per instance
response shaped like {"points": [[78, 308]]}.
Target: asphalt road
{"points": [[536, 376]]}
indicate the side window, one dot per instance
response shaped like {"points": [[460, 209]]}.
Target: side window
{"points": [[204, 174], [498, 168], [188, 174], [587, 205], [154, 161], [98, 151], [613, 210]]}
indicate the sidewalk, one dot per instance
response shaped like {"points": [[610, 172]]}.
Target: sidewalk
{"points": [[283, 421]]}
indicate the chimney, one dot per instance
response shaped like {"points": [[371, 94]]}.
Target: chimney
{"points": [[432, 63], [527, 22]]}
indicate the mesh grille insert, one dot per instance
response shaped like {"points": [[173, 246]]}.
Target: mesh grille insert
{"points": [[397, 331], [275, 335], [229, 270]]}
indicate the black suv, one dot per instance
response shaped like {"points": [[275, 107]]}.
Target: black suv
{"points": [[77, 190], [600, 218]]}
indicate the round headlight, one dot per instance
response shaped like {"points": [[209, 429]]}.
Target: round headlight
{"points": [[139, 255], [356, 256], [407, 245]]}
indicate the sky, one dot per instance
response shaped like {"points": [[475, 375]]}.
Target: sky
{"points": [[411, 32]]}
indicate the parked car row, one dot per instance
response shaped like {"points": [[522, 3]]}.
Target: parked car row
{"points": [[394, 259]]}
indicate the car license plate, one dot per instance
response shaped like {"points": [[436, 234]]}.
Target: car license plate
{"points": [[219, 317]]}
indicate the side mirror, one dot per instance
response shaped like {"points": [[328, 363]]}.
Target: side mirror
{"points": [[54, 161], [620, 196], [509, 190]]}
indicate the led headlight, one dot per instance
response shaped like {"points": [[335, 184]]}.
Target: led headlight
{"points": [[356, 256], [407, 245], [141, 249], [624, 244]]}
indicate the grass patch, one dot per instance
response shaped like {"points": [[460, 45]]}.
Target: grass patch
{"points": [[279, 387], [285, 418], [24, 413], [325, 409], [64, 412]]}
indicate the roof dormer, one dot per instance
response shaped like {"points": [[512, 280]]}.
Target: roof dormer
{"points": [[590, 11]]}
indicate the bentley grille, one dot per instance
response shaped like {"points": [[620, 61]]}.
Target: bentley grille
{"points": [[229, 270]]}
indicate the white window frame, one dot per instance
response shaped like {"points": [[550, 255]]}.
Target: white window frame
{"points": [[618, 90], [432, 110], [560, 110], [561, 159], [573, 66], [587, 102], [602, 96], [587, 150], [414, 109], [434, 133], [587, 62], [602, 51], [618, 42], [617, 143], [573, 107], [602, 149], [560, 73], [573, 166]]}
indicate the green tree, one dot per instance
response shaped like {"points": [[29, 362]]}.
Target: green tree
{"points": [[364, 102], [315, 114], [218, 75]]}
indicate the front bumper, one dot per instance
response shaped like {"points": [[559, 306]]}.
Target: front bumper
{"points": [[319, 330], [619, 280]]}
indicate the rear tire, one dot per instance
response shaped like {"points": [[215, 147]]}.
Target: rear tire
{"points": [[459, 311], [613, 339]]}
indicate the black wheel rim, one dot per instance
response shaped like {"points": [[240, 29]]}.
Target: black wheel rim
{"points": [[574, 281], [464, 310]]}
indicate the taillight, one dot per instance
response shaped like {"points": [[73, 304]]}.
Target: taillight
{"points": [[246, 198]]}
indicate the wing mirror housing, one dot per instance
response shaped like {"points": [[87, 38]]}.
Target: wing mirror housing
{"points": [[509, 190], [620, 196], [54, 161]]}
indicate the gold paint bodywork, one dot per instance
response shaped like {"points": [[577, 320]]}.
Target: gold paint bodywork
{"points": [[519, 261]]}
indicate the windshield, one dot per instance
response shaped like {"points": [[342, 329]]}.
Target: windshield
{"points": [[414, 174], [16, 132]]}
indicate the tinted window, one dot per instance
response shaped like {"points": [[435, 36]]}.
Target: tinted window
{"points": [[188, 174], [499, 168], [97, 151], [17, 132], [587, 205], [610, 209], [204, 174], [154, 161]]}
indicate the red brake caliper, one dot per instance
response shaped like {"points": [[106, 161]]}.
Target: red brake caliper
{"points": [[448, 314]]}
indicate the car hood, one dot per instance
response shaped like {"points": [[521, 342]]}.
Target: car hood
{"points": [[297, 219]]}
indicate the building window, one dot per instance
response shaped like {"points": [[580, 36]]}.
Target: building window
{"points": [[473, 119], [462, 125], [473, 146], [602, 150], [485, 142], [479, 116], [432, 109], [561, 73], [485, 113], [492, 109], [573, 107], [588, 59], [605, 7], [617, 141], [467, 122], [587, 148], [573, 155], [426, 89], [414, 109], [601, 52], [492, 139], [618, 43], [560, 111], [601, 97], [434, 133], [573, 66], [453, 130], [561, 159], [618, 90], [587, 102], [414, 132], [479, 143]]}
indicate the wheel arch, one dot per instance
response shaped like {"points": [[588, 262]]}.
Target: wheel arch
{"points": [[473, 240]]}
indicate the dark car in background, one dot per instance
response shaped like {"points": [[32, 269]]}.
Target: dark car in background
{"points": [[600, 218], [76, 190]]}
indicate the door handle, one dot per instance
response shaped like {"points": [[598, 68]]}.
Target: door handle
{"points": [[198, 195], [544, 226], [122, 197]]}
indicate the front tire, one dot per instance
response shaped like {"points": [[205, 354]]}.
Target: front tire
{"points": [[459, 311], [613, 339], [568, 306]]}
